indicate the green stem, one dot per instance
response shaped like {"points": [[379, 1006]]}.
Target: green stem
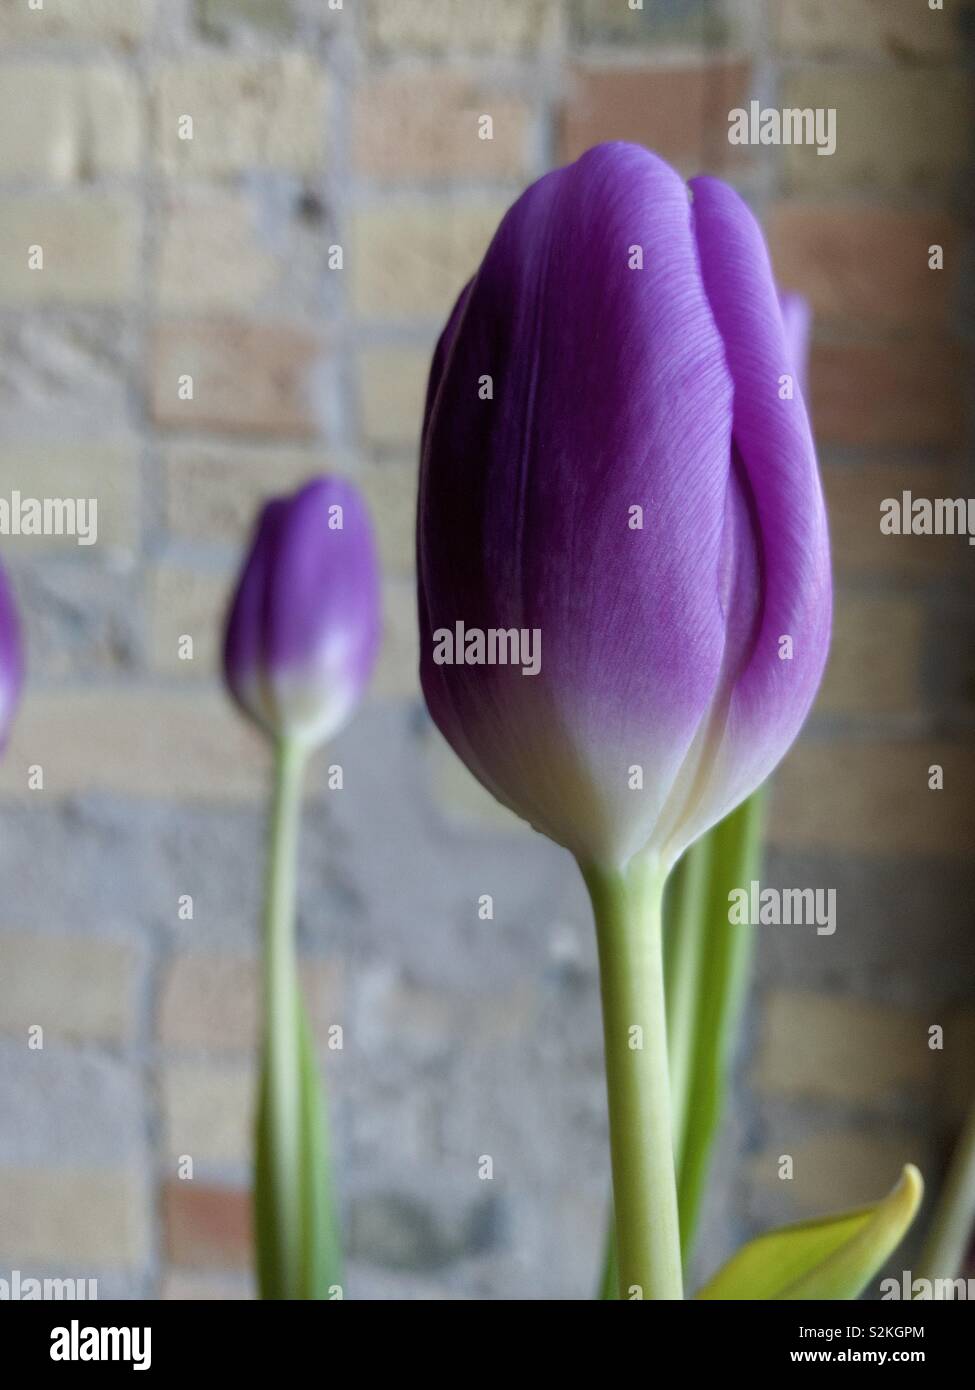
{"points": [[687, 902], [627, 909], [298, 1246], [954, 1217], [278, 1186]]}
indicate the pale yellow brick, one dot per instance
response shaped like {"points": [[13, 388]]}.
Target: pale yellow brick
{"points": [[214, 491], [392, 388], [390, 490], [248, 378], [90, 246], [106, 472], [116, 21], [213, 1002], [186, 603], [61, 123], [894, 129], [413, 260], [64, 1218], [208, 1112], [211, 255], [875, 658], [437, 26], [431, 128], [901, 30], [844, 1049], [838, 1169], [247, 113], [873, 798], [137, 743], [397, 669], [72, 986]]}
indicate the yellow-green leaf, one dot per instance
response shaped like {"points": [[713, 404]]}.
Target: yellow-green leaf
{"points": [[833, 1257]]}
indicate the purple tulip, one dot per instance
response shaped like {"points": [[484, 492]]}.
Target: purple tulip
{"points": [[11, 658], [303, 629], [617, 464]]}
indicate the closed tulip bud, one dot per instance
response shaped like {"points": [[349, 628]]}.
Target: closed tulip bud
{"points": [[11, 658], [303, 629], [618, 474]]}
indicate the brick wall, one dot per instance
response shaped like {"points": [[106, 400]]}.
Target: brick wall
{"points": [[313, 128]]}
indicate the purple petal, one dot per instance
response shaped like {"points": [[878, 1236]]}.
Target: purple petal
{"points": [[303, 631], [610, 392], [11, 658]]}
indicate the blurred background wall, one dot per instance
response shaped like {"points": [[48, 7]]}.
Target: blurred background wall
{"points": [[357, 128]]}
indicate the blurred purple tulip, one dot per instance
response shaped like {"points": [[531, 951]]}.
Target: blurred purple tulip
{"points": [[616, 455], [11, 658], [303, 629]]}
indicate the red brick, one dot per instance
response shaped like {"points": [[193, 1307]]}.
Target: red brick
{"points": [[207, 1227], [865, 266], [902, 393], [247, 378], [680, 112], [406, 129]]}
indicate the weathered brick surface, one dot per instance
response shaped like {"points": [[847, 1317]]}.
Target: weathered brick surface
{"points": [[62, 123], [397, 669], [65, 1217], [208, 1113], [894, 130], [866, 267], [846, 1050], [89, 244], [395, 138], [263, 113], [412, 260], [873, 798], [106, 472], [186, 603], [212, 254], [270, 18], [39, 984], [247, 378], [137, 743], [394, 27], [212, 1002], [898, 394], [392, 386], [680, 112], [213, 490], [206, 1226], [121, 21], [900, 31], [691, 22], [854, 494], [875, 658]]}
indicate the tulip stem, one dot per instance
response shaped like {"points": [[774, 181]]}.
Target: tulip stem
{"points": [[297, 1242], [627, 908], [953, 1223]]}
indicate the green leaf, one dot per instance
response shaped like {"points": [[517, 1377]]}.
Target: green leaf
{"points": [[833, 1257]]}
